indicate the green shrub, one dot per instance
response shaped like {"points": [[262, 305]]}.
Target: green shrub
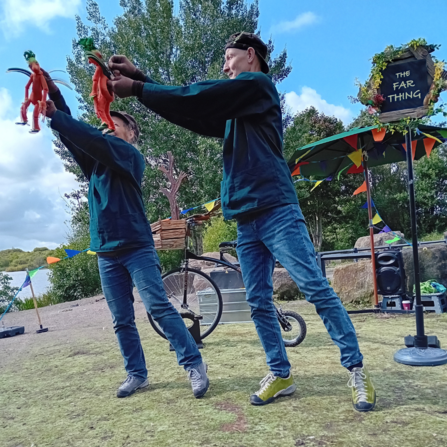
{"points": [[77, 277], [47, 299], [170, 259], [7, 292], [218, 231]]}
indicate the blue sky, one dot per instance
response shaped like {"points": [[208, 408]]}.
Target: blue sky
{"points": [[329, 43]]}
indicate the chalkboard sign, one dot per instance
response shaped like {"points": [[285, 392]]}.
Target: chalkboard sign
{"points": [[404, 85]]}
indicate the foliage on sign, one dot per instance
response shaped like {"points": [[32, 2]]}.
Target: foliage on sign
{"points": [[369, 96]]}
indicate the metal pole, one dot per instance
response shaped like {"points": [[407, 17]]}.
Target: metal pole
{"points": [[420, 340], [371, 233]]}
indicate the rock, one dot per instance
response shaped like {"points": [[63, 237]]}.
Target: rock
{"points": [[379, 240], [432, 264], [354, 282], [206, 264], [283, 285]]}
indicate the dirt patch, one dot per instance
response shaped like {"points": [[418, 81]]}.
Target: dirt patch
{"points": [[240, 425]]}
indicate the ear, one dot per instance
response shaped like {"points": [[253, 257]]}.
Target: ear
{"points": [[251, 55], [131, 134]]}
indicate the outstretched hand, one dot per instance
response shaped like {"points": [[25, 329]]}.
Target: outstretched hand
{"points": [[120, 85], [123, 65], [50, 109]]}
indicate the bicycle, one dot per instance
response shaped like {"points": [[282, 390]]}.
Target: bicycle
{"points": [[197, 297]]}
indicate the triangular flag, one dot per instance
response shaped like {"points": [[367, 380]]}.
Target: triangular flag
{"points": [[297, 170], [376, 219], [352, 140], [378, 135], [89, 252], [385, 229], [33, 273], [443, 133], [329, 179], [356, 169], [428, 144], [185, 211], [209, 206], [356, 157], [373, 154], [339, 173], [27, 281], [323, 165], [71, 253], [393, 240], [360, 189], [317, 184], [365, 205], [300, 157], [432, 137], [413, 148], [51, 260]]}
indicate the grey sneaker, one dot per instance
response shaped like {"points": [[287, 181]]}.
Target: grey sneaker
{"points": [[199, 380], [130, 385]]}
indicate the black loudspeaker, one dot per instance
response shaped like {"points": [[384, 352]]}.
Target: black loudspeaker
{"points": [[390, 273]]}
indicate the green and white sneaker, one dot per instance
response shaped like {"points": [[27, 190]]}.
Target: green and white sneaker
{"points": [[363, 392], [272, 387]]}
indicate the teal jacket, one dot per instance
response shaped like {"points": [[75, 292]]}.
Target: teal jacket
{"points": [[114, 169], [246, 113]]}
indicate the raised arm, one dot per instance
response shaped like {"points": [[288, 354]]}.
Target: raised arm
{"points": [[85, 162]]}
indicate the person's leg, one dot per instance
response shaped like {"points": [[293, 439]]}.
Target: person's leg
{"points": [[257, 265], [284, 232], [144, 268], [117, 288]]}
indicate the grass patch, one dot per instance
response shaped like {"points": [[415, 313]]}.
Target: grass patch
{"points": [[62, 393]]}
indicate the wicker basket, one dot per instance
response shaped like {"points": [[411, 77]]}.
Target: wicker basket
{"points": [[169, 234]]}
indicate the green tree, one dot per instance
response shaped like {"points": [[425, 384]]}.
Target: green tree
{"points": [[7, 292], [174, 50]]}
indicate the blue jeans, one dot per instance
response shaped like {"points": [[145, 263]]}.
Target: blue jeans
{"points": [[142, 268], [280, 233]]}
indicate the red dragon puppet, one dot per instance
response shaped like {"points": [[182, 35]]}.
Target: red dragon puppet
{"points": [[102, 98], [39, 90]]}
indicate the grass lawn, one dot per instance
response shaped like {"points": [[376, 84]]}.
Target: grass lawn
{"points": [[60, 390]]}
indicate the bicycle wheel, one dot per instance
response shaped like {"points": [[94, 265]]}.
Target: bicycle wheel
{"points": [[298, 330], [203, 297]]}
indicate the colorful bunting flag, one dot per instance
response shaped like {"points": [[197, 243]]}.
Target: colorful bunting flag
{"points": [[428, 144], [393, 240], [300, 157], [432, 137], [413, 148], [71, 253], [385, 229], [33, 273], [209, 206], [378, 135], [360, 189], [352, 140], [329, 179], [297, 170], [376, 219], [27, 281], [344, 169], [356, 157], [317, 184], [51, 260], [365, 205], [185, 211], [323, 165], [89, 252], [443, 133], [356, 169]]}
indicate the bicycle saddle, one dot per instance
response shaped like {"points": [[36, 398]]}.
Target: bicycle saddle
{"points": [[231, 244]]}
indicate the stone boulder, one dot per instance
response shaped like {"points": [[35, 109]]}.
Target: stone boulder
{"points": [[354, 282], [432, 264], [200, 265], [379, 240], [283, 285]]}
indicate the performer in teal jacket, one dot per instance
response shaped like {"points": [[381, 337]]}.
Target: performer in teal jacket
{"points": [[121, 235], [257, 190]]}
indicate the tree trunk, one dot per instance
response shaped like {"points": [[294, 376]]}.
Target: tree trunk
{"points": [[316, 230]]}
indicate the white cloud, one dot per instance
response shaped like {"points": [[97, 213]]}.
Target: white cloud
{"points": [[15, 15], [302, 20], [310, 97], [32, 184]]}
